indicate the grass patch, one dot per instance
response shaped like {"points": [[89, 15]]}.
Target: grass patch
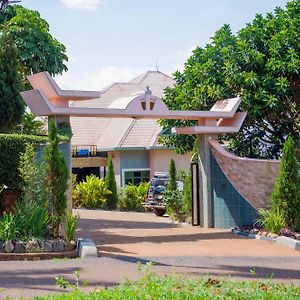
{"points": [[151, 286]]}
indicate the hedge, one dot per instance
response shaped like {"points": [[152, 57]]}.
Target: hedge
{"points": [[11, 147]]}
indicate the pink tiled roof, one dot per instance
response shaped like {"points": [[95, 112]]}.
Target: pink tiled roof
{"points": [[114, 133]]}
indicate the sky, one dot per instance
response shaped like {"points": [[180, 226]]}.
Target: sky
{"points": [[116, 40]]}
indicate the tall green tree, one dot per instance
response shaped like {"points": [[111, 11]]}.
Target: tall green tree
{"points": [[57, 179], [26, 47], [187, 194], [286, 195], [110, 181], [172, 174], [11, 103], [261, 64], [37, 49]]}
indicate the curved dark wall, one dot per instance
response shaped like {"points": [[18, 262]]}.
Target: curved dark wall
{"points": [[230, 208]]}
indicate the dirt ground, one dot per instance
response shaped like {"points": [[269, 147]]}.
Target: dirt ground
{"points": [[123, 239]]}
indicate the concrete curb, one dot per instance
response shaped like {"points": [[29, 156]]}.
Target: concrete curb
{"points": [[288, 242], [253, 236], [86, 248], [281, 240]]}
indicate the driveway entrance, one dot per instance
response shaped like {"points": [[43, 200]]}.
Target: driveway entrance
{"points": [[133, 237], [123, 239]]}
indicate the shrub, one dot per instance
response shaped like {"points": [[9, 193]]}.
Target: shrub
{"points": [[31, 219], [33, 177], [110, 181], [91, 193], [176, 207], [8, 227], [286, 195], [11, 148], [133, 196], [75, 199], [178, 203], [70, 226], [272, 220]]}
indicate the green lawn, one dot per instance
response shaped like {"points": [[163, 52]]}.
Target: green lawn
{"points": [[171, 287]]}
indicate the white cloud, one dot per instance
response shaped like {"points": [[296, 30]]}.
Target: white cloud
{"points": [[99, 79], [179, 58], [82, 4]]}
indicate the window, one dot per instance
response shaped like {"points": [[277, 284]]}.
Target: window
{"points": [[136, 176]]}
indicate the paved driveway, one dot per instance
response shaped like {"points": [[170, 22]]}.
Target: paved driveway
{"points": [[123, 239]]}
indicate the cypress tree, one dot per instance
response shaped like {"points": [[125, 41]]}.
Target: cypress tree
{"points": [[187, 194], [57, 179], [110, 181], [172, 173], [286, 194], [11, 103]]}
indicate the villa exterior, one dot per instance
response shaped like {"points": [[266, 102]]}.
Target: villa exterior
{"points": [[121, 122], [132, 143]]}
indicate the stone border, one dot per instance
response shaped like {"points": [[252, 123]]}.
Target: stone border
{"points": [[37, 256], [281, 240]]}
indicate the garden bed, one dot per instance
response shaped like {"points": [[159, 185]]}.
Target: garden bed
{"points": [[285, 238], [36, 249], [37, 256]]}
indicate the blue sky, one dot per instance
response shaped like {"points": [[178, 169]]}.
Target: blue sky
{"points": [[115, 40]]}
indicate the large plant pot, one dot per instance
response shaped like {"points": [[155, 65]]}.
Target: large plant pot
{"points": [[8, 200]]}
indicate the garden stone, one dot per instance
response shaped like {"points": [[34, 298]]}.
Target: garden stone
{"points": [[19, 247], [1, 247], [47, 246], [8, 247], [74, 244], [58, 246], [297, 236], [33, 247], [70, 246], [265, 233]]}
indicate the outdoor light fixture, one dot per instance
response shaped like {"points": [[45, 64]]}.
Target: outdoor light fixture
{"points": [[3, 3]]}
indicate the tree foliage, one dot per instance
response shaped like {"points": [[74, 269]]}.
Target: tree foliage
{"points": [[30, 124], [37, 49], [110, 181], [286, 195], [57, 179], [261, 64], [11, 103]]}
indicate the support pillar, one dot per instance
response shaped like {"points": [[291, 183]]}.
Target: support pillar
{"points": [[206, 199]]}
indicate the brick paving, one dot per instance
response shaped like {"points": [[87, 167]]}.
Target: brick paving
{"points": [[123, 239]]}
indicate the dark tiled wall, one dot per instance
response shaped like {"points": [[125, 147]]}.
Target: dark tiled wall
{"points": [[230, 208]]}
